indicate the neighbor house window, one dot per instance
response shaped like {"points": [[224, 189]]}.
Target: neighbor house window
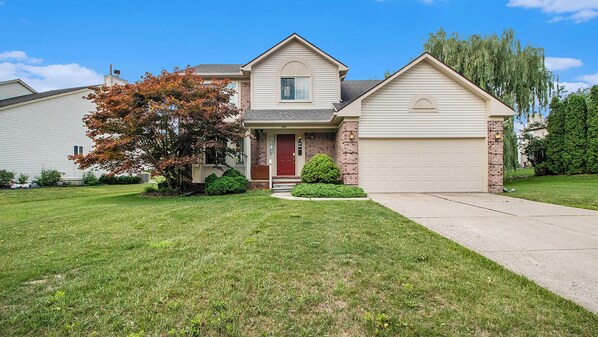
{"points": [[77, 150], [295, 82]]}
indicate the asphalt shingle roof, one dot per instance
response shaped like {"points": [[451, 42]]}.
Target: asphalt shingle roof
{"points": [[213, 69], [31, 97], [352, 89], [324, 115]]}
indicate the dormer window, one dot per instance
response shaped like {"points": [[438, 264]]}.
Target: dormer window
{"points": [[295, 82]]}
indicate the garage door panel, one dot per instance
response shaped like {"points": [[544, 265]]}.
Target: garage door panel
{"points": [[421, 165]]}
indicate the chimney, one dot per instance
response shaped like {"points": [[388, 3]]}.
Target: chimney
{"points": [[114, 78]]}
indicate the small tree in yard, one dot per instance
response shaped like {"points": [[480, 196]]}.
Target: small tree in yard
{"points": [[592, 122], [575, 135], [163, 123]]}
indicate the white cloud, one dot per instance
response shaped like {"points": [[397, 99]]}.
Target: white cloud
{"points": [[562, 63], [572, 87], [591, 79], [17, 55], [575, 10], [45, 77]]}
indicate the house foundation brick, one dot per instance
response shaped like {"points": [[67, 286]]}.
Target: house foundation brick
{"points": [[319, 142], [347, 151], [495, 157]]}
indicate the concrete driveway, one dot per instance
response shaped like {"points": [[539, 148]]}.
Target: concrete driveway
{"points": [[556, 246]]}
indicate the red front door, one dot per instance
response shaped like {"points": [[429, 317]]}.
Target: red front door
{"points": [[285, 155]]}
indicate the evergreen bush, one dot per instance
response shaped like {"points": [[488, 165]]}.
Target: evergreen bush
{"points": [[321, 169], [592, 132], [575, 134], [555, 140]]}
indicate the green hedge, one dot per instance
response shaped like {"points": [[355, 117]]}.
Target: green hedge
{"points": [[327, 191], [109, 179], [227, 185]]}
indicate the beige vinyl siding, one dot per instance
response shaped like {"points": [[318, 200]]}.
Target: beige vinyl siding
{"points": [[422, 165], [41, 134], [386, 113], [265, 79], [13, 89]]}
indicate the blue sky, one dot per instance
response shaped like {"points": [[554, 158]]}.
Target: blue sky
{"points": [[55, 44]]}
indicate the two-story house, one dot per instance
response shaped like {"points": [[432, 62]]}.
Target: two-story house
{"points": [[425, 128]]}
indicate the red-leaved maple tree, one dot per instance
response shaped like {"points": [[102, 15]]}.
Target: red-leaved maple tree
{"points": [[163, 124]]}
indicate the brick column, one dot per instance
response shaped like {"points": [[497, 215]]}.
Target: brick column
{"points": [[244, 97], [495, 157], [346, 151]]}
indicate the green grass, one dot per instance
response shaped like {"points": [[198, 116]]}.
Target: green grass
{"points": [[519, 173], [104, 261], [576, 191]]}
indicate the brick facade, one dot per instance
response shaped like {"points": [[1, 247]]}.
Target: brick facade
{"points": [[495, 157], [319, 142], [346, 151], [244, 96], [259, 148]]}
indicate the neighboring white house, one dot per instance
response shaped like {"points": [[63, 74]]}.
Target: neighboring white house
{"points": [[536, 126], [39, 130]]}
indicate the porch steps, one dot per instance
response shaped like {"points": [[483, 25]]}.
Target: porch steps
{"points": [[284, 183]]}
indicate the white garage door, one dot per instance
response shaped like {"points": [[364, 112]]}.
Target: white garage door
{"points": [[422, 165]]}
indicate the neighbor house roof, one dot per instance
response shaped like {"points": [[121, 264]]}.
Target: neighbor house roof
{"points": [[296, 37], [17, 80], [39, 95], [352, 89], [297, 115], [219, 69]]}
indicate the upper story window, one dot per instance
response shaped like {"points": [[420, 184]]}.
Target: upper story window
{"points": [[295, 82], [234, 98]]}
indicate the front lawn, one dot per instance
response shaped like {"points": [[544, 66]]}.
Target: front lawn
{"points": [[575, 191], [105, 261]]}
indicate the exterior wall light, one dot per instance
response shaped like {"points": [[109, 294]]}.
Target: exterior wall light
{"points": [[498, 136], [351, 136]]}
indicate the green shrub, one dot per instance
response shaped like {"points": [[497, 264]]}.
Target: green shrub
{"points": [[555, 140], [541, 169], [110, 179], [535, 150], [6, 178], [321, 169], [227, 185], [22, 179], [90, 179], [209, 179], [49, 178], [231, 172], [150, 188], [327, 191]]}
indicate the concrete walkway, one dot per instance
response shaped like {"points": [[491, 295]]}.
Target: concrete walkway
{"points": [[555, 246]]}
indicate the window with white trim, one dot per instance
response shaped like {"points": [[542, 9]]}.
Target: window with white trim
{"points": [[77, 150], [295, 82]]}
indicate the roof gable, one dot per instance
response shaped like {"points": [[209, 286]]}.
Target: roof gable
{"points": [[5, 103], [497, 107], [295, 37]]}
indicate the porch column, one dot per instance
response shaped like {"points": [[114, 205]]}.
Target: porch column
{"points": [[247, 158], [495, 156]]}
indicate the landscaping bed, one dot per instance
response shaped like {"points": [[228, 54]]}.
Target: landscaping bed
{"points": [[327, 191]]}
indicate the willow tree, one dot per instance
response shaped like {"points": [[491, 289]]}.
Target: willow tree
{"points": [[499, 64]]}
